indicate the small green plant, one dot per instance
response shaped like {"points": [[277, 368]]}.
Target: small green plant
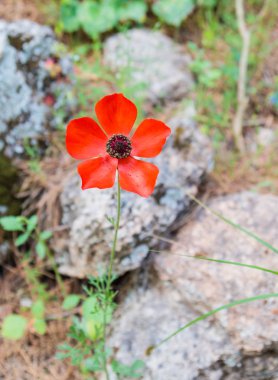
{"points": [[27, 228], [28, 233], [88, 349], [173, 12], [227, 306], [206, 75], [33, 155], [14, 327], [97, 17]]}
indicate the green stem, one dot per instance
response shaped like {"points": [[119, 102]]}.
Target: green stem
{"points": [[109, 274], [116, 230], [57, 275], [54, 266]]}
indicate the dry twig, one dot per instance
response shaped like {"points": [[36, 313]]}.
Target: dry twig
{"points": [[242, 99]]}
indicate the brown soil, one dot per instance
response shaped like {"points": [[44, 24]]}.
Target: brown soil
{"points": [[11, 10], [33, 357], [255, 172]]}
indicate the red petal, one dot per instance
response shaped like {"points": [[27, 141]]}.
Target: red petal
{"points": [[137, 176], [85, 139], [116, 114], [149, 138], [98, 172]]}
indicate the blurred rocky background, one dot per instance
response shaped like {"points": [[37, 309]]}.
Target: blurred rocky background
{"points": [[179, 64]]}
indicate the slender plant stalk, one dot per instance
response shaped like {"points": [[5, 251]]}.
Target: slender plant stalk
{"points": [[57, 275], [235, 225], [212, 312], [109, 275], [219, 261], [116, 230], [54, 267]]}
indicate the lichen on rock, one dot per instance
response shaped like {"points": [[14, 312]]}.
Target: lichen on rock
{"points": [[32, 99]]}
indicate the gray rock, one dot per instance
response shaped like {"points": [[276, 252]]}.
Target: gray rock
{"points": [[237, 344], [183, 165], [150, 62], [266, 136], [34, 84]]}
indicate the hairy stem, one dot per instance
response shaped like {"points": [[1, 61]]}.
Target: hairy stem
{"points": [[110, 272], [114, 246]]}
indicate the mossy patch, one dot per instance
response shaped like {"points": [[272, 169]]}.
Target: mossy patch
{"points": [[9, 204]]}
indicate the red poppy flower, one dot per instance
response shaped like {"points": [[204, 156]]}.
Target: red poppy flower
{"points": [[111, 147]]}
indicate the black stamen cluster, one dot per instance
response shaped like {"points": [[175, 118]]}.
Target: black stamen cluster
{"points": [[118, 146]]}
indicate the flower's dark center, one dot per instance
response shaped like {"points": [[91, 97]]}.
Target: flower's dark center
{"points": [[119, 146]]}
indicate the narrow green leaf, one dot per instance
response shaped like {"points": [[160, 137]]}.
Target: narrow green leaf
{"points": [[236, 225], [14, 327], [212, 312], [71, 301], [220, 261], [111, 220], [235, 263]]}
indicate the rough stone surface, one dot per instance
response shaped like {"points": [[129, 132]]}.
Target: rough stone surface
{"points": [[151, 62], [237, 344], [183, 165], [266, 136], [34, 84]]}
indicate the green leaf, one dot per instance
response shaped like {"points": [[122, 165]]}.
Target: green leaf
{"points": [[132, 10], [40, 326], [133, 371], [89, 306], [92, 364], [111, 220], [71, 301], [92, 329], [69, 15], [14, 327], [207, 3], [32, 223], [214, 311], [173, 12], [45, 235], [38, 309], [96, 18], [12, 223], [21, 239], [93, 317], [41, 249]]}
